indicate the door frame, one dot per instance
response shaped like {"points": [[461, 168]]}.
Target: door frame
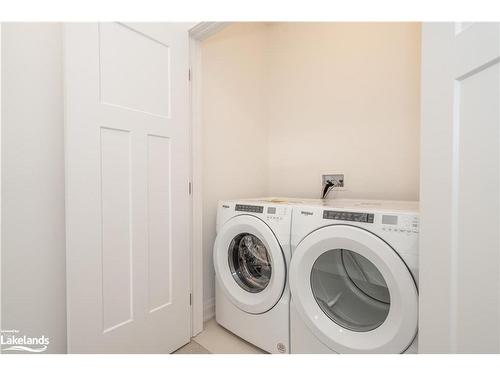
{"points": [[197, 34]]}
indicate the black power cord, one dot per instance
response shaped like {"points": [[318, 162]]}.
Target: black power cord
{"points": [[329, 185], [326, 189]]}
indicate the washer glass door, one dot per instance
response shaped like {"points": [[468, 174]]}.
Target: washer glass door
{"points": [[350, 290], [249, 262]]}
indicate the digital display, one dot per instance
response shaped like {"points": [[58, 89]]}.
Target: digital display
{"points": [[271, 210], [249, 208], [362, 217], [390, 219]]}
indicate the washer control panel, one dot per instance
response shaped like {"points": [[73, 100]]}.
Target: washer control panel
{"points": [[361, 217], [276, 213], [270, 213], [249, 208]]}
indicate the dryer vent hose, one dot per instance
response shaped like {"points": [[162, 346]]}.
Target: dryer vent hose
{"points": [[329, 185]]}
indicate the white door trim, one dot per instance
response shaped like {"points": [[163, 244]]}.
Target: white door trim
{"points": [[197, 35]]}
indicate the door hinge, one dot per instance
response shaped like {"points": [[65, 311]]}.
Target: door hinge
{"points": [[190, 299], [190, 188]]}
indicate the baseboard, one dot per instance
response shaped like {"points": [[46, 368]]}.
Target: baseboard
{"points": [[209, 309]]}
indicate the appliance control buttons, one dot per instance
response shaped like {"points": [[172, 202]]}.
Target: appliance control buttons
{"points": [[275, 218], [399, 229]]}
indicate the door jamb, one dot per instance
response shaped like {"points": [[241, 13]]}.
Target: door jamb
{"points": [[197, 35]]}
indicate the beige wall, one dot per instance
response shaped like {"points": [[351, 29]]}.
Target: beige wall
{"points": [[344, 97], [284, 102], [235, 128]]}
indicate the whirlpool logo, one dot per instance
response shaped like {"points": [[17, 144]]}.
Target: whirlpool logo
{"points": [[13, 341], [307, 213]]}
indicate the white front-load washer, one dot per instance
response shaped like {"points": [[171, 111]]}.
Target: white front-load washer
{"points": [[251, 258], [354, 277]]}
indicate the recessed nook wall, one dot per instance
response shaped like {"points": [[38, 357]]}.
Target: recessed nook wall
{"points": [[285, 102]]}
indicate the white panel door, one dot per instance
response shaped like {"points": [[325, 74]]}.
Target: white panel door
{"points": [[127, 198], [460, 188]]}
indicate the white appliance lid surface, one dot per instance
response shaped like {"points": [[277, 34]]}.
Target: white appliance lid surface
{"points": [[270, 200], [344, 203], [366, 204]]}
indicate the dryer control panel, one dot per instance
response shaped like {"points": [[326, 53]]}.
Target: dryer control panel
{"points": [[361, 217], [400, 223], [396, 223]]}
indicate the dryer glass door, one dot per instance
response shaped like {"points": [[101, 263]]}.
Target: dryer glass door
{"points": [[350, 290], [353, 291]]}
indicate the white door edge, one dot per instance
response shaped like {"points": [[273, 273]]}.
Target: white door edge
{"points": [[154, 130]]}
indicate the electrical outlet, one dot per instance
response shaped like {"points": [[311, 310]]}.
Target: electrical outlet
{"points": [[336, 178]]}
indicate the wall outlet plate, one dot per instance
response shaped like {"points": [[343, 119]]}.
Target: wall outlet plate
{"points": [[337, 177]]}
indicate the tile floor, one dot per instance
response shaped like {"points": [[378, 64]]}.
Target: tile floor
{"points": [[192, 348], [215, 339]]}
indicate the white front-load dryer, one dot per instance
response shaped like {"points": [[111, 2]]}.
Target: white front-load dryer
{"points": [[354, 277], [251, 258]]}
